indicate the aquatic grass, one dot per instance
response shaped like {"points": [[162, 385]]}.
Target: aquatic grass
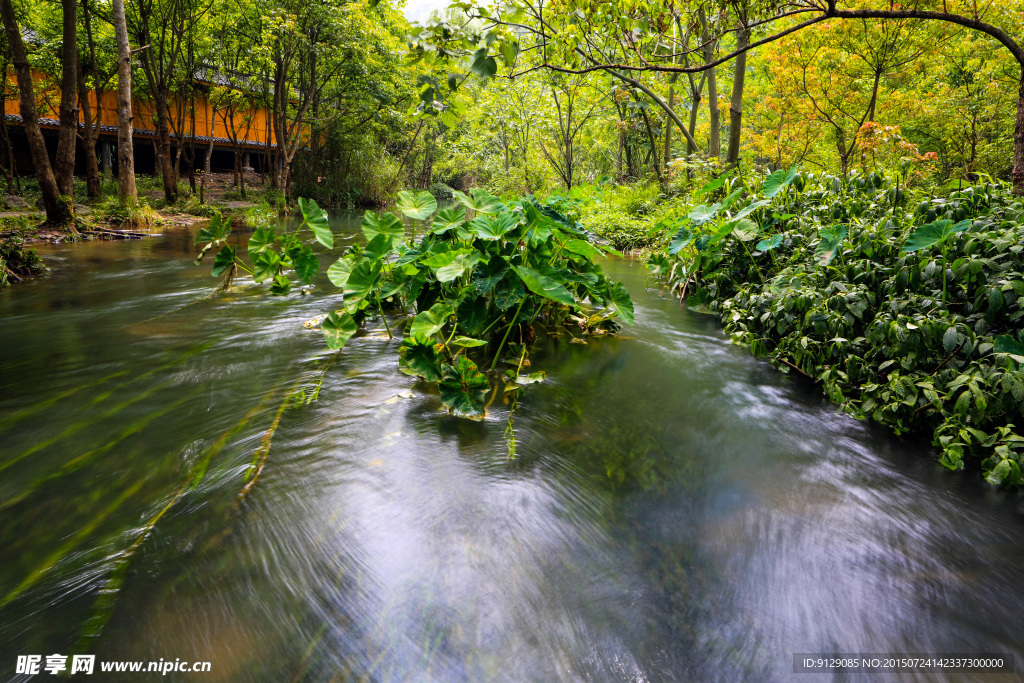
{"points": [[103, 609], [26, 412], [53, 559], [79, 426], [259, 458], [82, 460]]}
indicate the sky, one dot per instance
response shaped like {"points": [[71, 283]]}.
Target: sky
{"points": [[419, 10]]}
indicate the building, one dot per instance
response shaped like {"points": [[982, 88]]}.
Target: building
{"points": [[251, 127]]}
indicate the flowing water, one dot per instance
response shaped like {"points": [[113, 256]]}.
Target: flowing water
{"points": [[676, 510]]}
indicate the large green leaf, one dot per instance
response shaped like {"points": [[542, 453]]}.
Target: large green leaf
{"points": [[460, 265], [621, 302], [316, 219], [745, 229], [581, 248], [774, 183], [448, 265], [339, 272], [482, 65], [338, 328], [488, 228], [750, 208], [509, 291], [1010, 346], [679, 241], [480, 201], [463, 387], [427, 323], [419, 360], [379, 247], [361, 281], [703, 213], [930, 234], [261, 240], [468, 342], [386, 224], [448, 219], [419, 205], [223, 260], [489, 274], [509, 50], [306, 264], [472, 315], [770, 243], [831, 240], [266, 265], [544, 286]]}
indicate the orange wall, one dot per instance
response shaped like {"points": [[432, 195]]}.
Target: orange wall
{"points": [[208, 123]]}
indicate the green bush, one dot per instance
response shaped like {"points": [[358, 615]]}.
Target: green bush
{"points": [[910, 317], [624, 231], [193, 207], [17, 262]]}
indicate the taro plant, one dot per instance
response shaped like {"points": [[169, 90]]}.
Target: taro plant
{"points": [[270, 254], [469, 295], [936, 233], [484, 276]]}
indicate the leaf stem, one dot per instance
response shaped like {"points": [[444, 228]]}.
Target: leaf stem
{"points": [[494, 363], [384, 318]]}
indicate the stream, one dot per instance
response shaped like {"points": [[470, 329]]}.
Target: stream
{"points": [[675, 510]]}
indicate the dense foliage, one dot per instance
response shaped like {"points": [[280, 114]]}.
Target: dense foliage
{"points": [[474, 288], [906, 307], [17, 262]]}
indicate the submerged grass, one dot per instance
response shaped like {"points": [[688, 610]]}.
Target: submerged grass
{"points": [[24, 413], [103, 609], [53, 559]]}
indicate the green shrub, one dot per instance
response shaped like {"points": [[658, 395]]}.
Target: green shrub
{"points": [[141, 216], [910, 317], [17, 262], [193, 207], [624, 231]]}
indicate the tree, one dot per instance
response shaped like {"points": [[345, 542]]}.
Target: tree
{"points": [[58, 207], [629, 40], [64, 163], [163, 27], [125, 153], [90, 67]]}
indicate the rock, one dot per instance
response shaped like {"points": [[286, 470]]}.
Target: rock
{"points": [[13, 201], [82, 209]]}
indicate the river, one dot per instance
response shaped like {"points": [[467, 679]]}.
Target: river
{"points": [[675, 510]]}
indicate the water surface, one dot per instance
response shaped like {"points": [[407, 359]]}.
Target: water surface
{"points": [[676, 510]]}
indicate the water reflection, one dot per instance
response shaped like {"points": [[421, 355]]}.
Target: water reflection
{"points": [[677, 510]]}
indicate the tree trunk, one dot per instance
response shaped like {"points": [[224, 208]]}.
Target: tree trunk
{"points": [[1018, 140], [694, 108], [164, 140], [714, 117], [127, 191], [736, 102], [64, 163], [89, 137], [6, 136], [668, 119], [59, 210]]}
